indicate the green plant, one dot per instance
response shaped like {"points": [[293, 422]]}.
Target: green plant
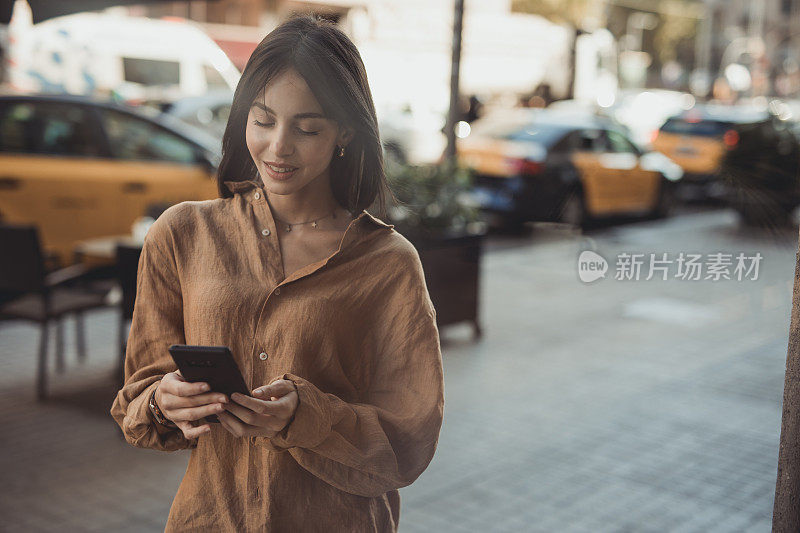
{"points": [[433, 198]]}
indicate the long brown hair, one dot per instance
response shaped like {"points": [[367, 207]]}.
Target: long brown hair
{"points": [[332, 67]]}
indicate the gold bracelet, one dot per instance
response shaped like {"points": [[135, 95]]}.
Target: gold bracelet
{"points": [[157, 414]]}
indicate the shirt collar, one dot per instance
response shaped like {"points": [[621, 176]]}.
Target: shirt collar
{"points": [[238, 187], [241, 186]]}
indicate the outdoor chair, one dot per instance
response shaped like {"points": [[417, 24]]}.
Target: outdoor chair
{"points": [[127, 270], [28, 292]]}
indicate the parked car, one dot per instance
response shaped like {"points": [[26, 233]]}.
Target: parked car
{"points": [[640, 112], [80, 168], [208, 112], [760, 172], [643, 112], [412, 134], [585, 108], [543, 165], [702, 138], [788, 110]]}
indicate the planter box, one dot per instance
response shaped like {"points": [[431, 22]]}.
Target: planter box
{"points": [[452, 272]]}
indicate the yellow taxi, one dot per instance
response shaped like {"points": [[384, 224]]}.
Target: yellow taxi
{"points": [[700, 139], [79, 168], [546, 165]]}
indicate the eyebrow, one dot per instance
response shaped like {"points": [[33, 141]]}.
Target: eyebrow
{"points": [[298, 115]]}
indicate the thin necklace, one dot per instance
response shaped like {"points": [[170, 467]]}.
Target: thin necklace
{"points": [[312, 222]]}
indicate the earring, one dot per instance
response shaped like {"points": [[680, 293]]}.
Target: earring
{"points": [[341, 151]]}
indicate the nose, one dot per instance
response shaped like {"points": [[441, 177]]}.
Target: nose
{"points": [[282, 142]]}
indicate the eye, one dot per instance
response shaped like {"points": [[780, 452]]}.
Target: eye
{"points": [[302, 132]]}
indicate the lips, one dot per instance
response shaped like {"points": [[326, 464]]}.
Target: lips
{"points": [[278, 165], [277, 171]]}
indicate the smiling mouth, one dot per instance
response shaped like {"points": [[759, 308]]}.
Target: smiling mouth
{"points": [[280, 170]]}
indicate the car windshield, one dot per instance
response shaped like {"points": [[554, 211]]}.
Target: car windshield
{"points": [[541, 133], [193, 133], [705, 128], [522, 129]]}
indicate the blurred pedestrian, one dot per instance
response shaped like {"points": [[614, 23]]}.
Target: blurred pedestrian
{"points": [[474, 109], [323, 305]]}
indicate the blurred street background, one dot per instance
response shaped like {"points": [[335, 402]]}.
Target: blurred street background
{"points": [[604, 195]]}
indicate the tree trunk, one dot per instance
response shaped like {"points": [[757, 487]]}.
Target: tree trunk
{"points": [[453, 115]]}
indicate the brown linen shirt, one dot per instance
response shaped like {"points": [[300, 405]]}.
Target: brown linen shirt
{"points": [[356, 333]]}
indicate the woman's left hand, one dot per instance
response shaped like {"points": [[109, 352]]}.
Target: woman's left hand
{"points": [[264, 414]]}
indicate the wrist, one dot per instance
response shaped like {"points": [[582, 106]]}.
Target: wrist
{"points": [[158, 415]]}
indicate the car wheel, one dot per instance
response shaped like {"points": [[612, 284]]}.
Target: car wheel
{"points": [[573, 210], [504, 222], [514, 223], [666, 200]]}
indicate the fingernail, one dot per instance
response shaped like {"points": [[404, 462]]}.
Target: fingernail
{"points": [[222, 399], [205, 387]]}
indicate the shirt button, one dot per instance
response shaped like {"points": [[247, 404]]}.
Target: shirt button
{"points": [[257, 195], [262, 356], [265, 232], [278, 291]]}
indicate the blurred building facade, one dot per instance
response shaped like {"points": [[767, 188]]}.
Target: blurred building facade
{"points": [[762, 35], [406, 46], [691, 47]]}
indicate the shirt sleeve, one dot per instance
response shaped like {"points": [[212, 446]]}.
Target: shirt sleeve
{"points": [[157, 324], [387, 441]]}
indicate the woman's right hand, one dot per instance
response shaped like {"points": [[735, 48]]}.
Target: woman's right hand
{"points": [[184, 403]]}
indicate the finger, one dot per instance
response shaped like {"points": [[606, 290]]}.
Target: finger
{"points": [[175, 376], [243, 413], [225, 423], [254, 404], [192, 432], [196, 413], [290, 401], [177, 402], [185, 388], [257, 424], [233, 424], [276, 388], [281, 407]]}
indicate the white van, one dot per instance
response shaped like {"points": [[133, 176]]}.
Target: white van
{"points": [[138, 58]]}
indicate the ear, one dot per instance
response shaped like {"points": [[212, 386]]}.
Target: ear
{"points": [[346, 135]]}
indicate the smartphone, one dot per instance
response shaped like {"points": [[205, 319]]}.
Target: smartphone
{"points": [[214, 365]]}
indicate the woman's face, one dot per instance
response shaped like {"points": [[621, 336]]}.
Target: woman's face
{"points": [[286, 126]]}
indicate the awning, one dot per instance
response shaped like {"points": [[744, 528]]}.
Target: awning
{"points": [[47, 9]]}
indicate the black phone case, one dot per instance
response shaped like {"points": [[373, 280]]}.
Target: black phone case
{"points": [[211, 364]]}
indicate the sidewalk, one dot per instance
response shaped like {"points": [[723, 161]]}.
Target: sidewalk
{"points": [[569, 415]]}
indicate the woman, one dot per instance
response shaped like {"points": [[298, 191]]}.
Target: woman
{"points": [[323, 305]]}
